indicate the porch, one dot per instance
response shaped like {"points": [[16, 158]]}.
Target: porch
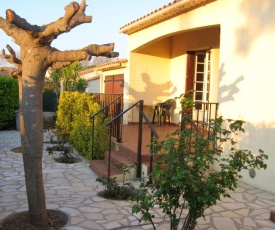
{"points": [[126, 152], [129, 144]]}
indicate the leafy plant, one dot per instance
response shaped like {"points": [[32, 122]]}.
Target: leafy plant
{"points": [[49, 122], [186, 101], [183, 179], [113, 190], [68, 77], [73, 117], [125, 169], [9, 101], [60, 141]]}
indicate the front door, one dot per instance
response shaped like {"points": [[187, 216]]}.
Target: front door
{"points": [[198, 75], [198, 81]]}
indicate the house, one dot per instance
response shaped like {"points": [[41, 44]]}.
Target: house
{"points": [[222, 49], [226, 50], [106, 78]]}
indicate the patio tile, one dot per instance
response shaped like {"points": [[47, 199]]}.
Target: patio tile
{"points": [[73, 189]]}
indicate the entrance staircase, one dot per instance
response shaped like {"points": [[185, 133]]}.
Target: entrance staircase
{"points": [[134, 147], [126, 152], [120, 155]]}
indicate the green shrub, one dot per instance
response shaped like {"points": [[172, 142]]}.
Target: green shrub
{"points": [[187, 181], [9, 101], [113, 190], [73, 117], [182, 175]]}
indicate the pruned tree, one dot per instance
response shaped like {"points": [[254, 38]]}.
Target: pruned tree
{"points": [[15, 69], [37, 55]]}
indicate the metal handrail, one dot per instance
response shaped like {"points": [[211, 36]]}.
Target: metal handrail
{"points": [[119, 115], [105, 107], [93, 123], [153, 133], [203, 116]]}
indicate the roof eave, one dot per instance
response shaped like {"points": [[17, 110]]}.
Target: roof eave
{"points": [[168, 11], [121, 63]]}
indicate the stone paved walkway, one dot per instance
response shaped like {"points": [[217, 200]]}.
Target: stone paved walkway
{"points": [[73, 189]]}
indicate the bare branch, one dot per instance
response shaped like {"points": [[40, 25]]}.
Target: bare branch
{"points": [[74, 15], [76, 19], [12, 71], [21, 23], [59, 65], [109, 54], [97, 50], [62, 24], [84, 54], [80, 16], [10, 58], [101, 50], [67, 56], [10, 29]]}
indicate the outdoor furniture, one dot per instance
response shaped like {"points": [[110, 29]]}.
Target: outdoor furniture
{"points": [[166, 110], [157, 111], [163, 110]]}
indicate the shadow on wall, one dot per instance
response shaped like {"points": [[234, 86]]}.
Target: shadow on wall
{"points": [[261, 136], [260, 17], [155, 91], [227, 91]]}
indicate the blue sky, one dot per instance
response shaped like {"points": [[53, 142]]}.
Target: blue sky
{"points": [[108, 17]]}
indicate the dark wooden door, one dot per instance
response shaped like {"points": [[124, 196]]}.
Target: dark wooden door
{"points": [[190, 72], [114, 84]]}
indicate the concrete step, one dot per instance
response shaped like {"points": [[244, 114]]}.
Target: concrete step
{"points": [[133, 154], [124, 156], [127, 152], [118, 158], [100, 167]]}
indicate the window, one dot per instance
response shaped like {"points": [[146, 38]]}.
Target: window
{"points": [[202, 76]]}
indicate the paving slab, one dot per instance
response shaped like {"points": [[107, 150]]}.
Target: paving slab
{"points": [[73, 189]]}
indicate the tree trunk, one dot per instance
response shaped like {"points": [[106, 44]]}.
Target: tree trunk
{"points": [[37, 56], [31, 129], [190, 222]]}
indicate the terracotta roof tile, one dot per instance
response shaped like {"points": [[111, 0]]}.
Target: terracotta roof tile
{"points": [[168, 11], [119, 63]]}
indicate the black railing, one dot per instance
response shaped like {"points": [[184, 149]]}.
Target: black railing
{"points": [[112, 105], [104, 98], [198, 119], [200, 116], [140, 125], [116, 108]]}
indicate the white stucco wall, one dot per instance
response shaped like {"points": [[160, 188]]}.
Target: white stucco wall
{"points": [[93, 85], [244, 68], [246, 86]]}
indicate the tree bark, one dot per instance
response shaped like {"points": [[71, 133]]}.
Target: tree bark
{"points": [[37, 56], [31, 129]]}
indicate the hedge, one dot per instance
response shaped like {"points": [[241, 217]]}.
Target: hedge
{"points": [[9, 101], [73, 118]]}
